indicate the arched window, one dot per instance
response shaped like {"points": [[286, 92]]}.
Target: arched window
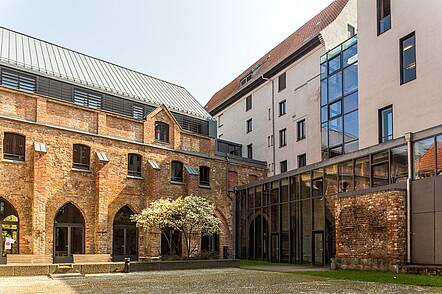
{"points": [[134, 165], [81, 157], [176, 171], [204, 176], [14, 147], [161, 132]]}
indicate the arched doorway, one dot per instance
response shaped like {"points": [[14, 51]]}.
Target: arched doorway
{"points": [[68, 233], [8, 230], [125, 238]]}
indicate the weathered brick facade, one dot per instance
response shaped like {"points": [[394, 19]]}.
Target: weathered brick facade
{"points": [[371, 230], [44, 182]]}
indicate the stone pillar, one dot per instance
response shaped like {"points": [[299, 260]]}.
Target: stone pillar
{"points": [[39, 244], [101, 234]]}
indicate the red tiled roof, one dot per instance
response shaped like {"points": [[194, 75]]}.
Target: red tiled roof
{"points": [[305, 33]]}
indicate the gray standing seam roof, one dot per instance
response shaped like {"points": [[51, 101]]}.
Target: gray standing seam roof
{"points": [[44, 58]]}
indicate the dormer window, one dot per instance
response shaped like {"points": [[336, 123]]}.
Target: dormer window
{"points": [[161, 132], [245, 80]]}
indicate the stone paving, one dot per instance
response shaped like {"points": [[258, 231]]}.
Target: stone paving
{"points": [[200, 281]]}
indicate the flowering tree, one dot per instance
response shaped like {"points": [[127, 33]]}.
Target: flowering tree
{"points": [[185, 214]]}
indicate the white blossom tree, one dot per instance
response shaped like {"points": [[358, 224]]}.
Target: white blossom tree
{"points": [[185, 214]]}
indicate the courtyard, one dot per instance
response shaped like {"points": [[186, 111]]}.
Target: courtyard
{"points": [[201, 281]]}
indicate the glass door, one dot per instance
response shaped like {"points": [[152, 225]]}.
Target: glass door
{"points": [[318, 248], [61, 246], [275, 248]]}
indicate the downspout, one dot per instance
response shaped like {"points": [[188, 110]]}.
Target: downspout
{"points": [[273, 124], [408, 139]]}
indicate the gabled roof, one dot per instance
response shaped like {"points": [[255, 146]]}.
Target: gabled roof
{"points": [[295, 41], [44, 58]]}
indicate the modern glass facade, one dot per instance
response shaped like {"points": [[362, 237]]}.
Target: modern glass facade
{"points": [[339, 100], [290, 218]]}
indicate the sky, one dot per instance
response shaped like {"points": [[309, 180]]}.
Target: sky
{"points": [[199, 44]]}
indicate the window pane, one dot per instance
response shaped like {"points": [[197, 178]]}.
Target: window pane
{"points": [[324, 70], [318, 214], [351, 147], [335, 87], [334, 64], [335, 132], [324, 92], [285, 190], [424, 158], [324, 136], [380, 175], [362, 173], [305, 185], [399, 164], [331, 180], [386, 125], [351, 102], [317, 187], [408, 59], [335, 109], [345, 171], [324, 114], [349, 55], [351, 127], [306, 211], [351, 79], [335, 152]]}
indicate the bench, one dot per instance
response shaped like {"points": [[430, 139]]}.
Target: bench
{"points": [[91, 258], [28, 259]]}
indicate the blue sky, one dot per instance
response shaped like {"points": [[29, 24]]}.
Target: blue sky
{"points": [[199, 44]]}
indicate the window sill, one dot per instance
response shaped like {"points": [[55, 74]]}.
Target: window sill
{"points": [[177, 183], [13, 161], [81, 170], [282, 146], [205, 187], [135, 177], [300, 139], [162, 142]]}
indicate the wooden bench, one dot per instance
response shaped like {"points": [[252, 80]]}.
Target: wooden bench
{"points": [[91, 258], [28, 259]]}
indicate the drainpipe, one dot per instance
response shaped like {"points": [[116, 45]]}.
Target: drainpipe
{"points": [[408, 139], [273, 124]]}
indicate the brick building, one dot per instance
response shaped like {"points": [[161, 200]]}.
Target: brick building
{"points": [[87, 143]]}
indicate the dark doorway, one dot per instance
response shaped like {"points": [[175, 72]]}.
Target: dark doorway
{"points": [[8, 230], [258, 238], [318, 248], [125, 238], [275, 247], [210, 245], [68, 234]]}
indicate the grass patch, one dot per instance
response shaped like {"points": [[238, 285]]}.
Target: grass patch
{"points": [[378, 277], [251, 263]]}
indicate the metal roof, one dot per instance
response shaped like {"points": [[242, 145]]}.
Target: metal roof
{"points": [[44, 58]]}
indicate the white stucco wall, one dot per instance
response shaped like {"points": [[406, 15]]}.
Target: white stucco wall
{"points": [[417, 105]]}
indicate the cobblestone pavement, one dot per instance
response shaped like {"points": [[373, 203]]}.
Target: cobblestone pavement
{"points": [[199, 281]]}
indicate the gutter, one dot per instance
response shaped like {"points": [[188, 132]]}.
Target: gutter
{"points": [[273, 123], [408, 139]]}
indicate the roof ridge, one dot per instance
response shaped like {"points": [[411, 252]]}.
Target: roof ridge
{"points": [[90, 56]]}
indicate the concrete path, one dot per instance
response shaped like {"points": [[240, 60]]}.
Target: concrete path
{"points": [[200, 281], [280, 268]]}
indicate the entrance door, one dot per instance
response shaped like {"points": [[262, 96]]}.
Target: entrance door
{"points": [[275, 247], [8, 230], [125, 236], [68, 234], [318, 248]]}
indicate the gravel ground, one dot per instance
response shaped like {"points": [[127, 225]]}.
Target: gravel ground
{"points": [[200, 281]]}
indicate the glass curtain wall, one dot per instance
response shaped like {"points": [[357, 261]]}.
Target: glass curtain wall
{"points": [[339, 100]]}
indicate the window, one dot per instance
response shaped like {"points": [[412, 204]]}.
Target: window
{"points": [[81, 158], [302, 160], [250, 151], [138, 112], [270, 140], [408, 58], [14, 147], [385, 124], [282, 138], [88, 99], [248, 103], [301, 129], [351, 30], [162, 132], [220, 121], [283, 166], [282, 82], [204, 176], [384, 15], [282, 108], [270, 114], [18, 81], [134, 165], [176, 171], [245, 80], [249, 125]]}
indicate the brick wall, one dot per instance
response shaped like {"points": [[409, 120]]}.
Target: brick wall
{"points": [[371, 230], [38, 187]]}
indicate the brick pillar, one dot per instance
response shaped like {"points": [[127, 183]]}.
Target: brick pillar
{"points": [[39, 204], [40, 109], [192, 183], [101, 123], [101, 244]]}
